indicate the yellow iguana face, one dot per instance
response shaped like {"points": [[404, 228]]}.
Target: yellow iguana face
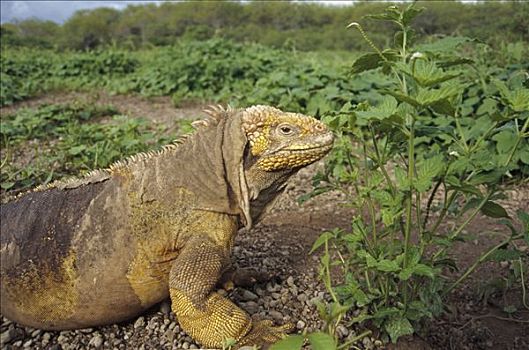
{"points": [[282, 140]]}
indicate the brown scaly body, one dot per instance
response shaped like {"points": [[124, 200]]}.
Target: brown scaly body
{"points": [[104, 248]]}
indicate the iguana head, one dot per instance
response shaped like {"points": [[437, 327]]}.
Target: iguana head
{"points": [[281, 141], [279, 144]]}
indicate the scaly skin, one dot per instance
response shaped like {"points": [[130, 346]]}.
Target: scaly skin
{"points": [[104, 248]]}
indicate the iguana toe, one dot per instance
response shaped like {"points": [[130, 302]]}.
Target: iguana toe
{"points": [[265, 333]]}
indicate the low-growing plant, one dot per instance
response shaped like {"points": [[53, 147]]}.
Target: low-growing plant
{"points": [[51, 142], [438, 147]]}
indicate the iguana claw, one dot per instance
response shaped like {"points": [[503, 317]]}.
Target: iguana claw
{"points": [[265, 333]]}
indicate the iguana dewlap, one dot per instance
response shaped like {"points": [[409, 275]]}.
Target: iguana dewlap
{"points": [[104, 248]]}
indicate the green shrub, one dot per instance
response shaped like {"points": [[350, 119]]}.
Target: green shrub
{"points": [[437, 147]]}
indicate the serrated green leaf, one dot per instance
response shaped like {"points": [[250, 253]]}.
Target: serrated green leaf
{"points": [[321, 341], [424, 270], [409, 14], [448, 44], [370, 261], [402, 179], [402, 98], [391, 13], [494, 210], [385, 109], [387, 265], [504, 255], [426, 73], [427, 97], [405, 274], [7, 185], [397, 327], [505, 141], [372, 61], [443, 107], [291, 342], [519, 100], [428, 169]]}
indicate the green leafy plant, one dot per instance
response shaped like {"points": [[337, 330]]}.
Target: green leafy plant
{"points": [[437, 147], [42, 145]]}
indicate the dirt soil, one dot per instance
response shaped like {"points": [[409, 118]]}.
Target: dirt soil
{"points": [[279, 245]]}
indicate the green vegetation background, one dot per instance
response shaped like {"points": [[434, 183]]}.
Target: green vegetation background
{"points": [[304, 27]]}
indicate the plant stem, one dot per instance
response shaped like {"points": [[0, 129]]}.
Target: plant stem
{"points": [[411, 173], [482, 258], [466, 222], [524, 293], [354, 340], [520, 135], [380, 162], [430, 201], [444, 210]]}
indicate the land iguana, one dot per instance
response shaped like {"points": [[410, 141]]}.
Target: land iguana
{"points": [[103, 248]]}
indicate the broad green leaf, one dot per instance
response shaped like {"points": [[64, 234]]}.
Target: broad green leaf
{"points": [[370, 261], [291, 342], [402, 179], [426, 73], [494, 210], [488, 106], [387, 265], [443, 107], [372, 61], [397, 327], [7, 185], [423, 270], [321, 341], [519, 100], [77, 149], [505, 141], [384, 110], [428, 169], [446, 45], [504, 255], [402, 98], [405, 274], [385, 312], [410, 13], [360, 297], [324, 237], [487, 177], [428, 97], [391, 13]]}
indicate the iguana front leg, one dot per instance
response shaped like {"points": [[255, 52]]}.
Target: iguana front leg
{"points": [[206, 316]]}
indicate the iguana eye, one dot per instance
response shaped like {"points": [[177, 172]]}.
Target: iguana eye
{"points": [[286, 129]]}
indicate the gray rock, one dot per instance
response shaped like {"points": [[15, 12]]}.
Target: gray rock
{"points": [[290, 281], [300, 325], [247, 295], [342, 331], [96, 341], [28, 343], [7, 336], [140, 322], [368, 344], [165, 307], [302, 297], [276, 315], [251, 307]]}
